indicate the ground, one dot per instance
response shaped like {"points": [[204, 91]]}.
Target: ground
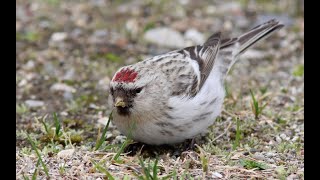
{"points": [[67, 52]]}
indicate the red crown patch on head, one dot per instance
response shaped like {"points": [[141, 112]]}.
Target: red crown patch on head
{"points": [[125, 75]]}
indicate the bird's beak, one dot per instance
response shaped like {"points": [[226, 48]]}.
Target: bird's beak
{"points": [[119, 103]]}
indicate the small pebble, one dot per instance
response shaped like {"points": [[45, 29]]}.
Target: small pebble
{"points": [[65, 153], [270, 161], [216, 175], [283, 136], [258, 156], [103, 120], [29, 65], [278, 139], [293, 177], [120, 139], [34, 103], [295, 138], [253, 150], [67, 96], [195, 36], [165, 37], [58, 36], [62, 87], [269, 154]]}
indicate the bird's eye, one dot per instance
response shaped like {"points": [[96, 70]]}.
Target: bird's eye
{"points": [[111, 91], [138, 90]]}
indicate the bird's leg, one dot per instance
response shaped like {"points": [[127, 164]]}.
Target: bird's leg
{"points": [[134, 148], [192, 143], [189, 145]]}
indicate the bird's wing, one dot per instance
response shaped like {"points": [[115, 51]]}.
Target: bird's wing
{"points": [[204, 56], [187, 69]]}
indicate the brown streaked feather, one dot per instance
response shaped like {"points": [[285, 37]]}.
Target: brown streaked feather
{"points": [[228, 42], [213, 39], [205, 56], [213, 46]]}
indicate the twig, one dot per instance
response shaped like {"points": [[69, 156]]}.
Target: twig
{"points": [[223, 132], [132, 168], [237, 168], [20, 170], [229, 114], [299, 110]]}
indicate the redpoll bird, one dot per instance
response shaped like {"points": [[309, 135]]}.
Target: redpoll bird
{"points": [[175, 96]]}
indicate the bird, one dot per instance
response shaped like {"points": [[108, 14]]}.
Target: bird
{"points": [[175, 96]]}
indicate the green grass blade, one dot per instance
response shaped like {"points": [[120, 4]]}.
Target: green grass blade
{"points": [[126, 177], [172, 175], [255, 105], [262, 108], [203, 159], [102, 169], [45, 126], [103, 136], [57, 123], [250, 164], [39, 156], [155, 169], [25, 177], [138, 176], [124, 145], [238, 135], [145, 170], [34, 175]]}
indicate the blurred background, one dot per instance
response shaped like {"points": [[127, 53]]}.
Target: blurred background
{"points": [[67, 52]]}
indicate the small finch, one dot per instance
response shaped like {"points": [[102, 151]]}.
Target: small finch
{"points": [[175, 96]]}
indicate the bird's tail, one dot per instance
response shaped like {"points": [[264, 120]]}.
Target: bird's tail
{"points": [[231, 48]]}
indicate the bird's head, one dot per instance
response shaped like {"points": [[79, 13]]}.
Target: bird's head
{"points": [[128, 89]]}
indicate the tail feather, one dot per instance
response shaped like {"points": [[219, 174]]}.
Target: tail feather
{"points": [[231, 48], [256, 34]]}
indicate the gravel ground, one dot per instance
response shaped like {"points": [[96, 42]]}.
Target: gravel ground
{"points": [[67, 52]]}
